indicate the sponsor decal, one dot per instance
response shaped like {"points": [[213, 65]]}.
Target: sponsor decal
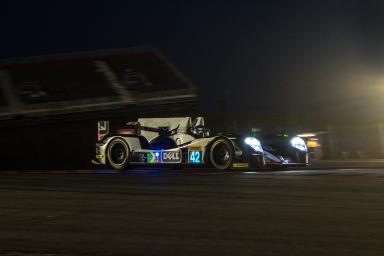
{"points": [[153, 157], [240, 165], [194, 156], [171, 156]]}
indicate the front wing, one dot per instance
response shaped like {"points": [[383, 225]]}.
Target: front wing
{"points": [[274, 160]]}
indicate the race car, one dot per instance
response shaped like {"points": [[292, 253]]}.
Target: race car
{"points": [[174, 141], [281, 151]]}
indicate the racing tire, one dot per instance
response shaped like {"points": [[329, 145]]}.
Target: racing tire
{"points": [[118, 154], [221, 154]]}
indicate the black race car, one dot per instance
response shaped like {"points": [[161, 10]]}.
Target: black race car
{"points": [[282, 151]]}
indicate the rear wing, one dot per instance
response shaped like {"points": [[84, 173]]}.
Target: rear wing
{"points": [[102, 129]]}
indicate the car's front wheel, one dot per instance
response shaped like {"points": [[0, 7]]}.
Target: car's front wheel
{"points": [[118, 154], [221, 154]]}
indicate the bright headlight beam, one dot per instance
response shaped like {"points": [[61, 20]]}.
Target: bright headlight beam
{"points": [[298, 143], [253, 143]]}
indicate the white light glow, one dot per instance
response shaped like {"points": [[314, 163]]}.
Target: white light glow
{"points": [[306, 135], [254, 143], [298, 143]]}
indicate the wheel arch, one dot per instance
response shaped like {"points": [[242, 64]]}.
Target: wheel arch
{"points": [[132, 141], [210, 143]]}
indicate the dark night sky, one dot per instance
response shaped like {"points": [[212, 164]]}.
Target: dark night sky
{"points": [[276, 56]]}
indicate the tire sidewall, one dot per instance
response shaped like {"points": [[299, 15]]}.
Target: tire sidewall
{"points": [[126, 147], [214, 144]]}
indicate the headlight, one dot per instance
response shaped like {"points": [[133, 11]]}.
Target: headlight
{"points": [[253, 143], [298, 143]]}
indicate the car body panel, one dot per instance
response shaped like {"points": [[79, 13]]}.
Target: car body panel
{"points": [[279, 152]]}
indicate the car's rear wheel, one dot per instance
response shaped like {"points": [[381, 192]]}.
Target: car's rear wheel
{"points": [[221, 154], [118, 154]]}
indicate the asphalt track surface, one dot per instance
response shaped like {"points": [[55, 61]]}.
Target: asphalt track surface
{"points": [[192, 212]]}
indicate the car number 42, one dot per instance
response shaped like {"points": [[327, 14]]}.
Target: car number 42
{"points": [[194, 157]]}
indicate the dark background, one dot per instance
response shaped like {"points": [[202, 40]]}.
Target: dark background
{"points": [[299, 59], [282, 66]]}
